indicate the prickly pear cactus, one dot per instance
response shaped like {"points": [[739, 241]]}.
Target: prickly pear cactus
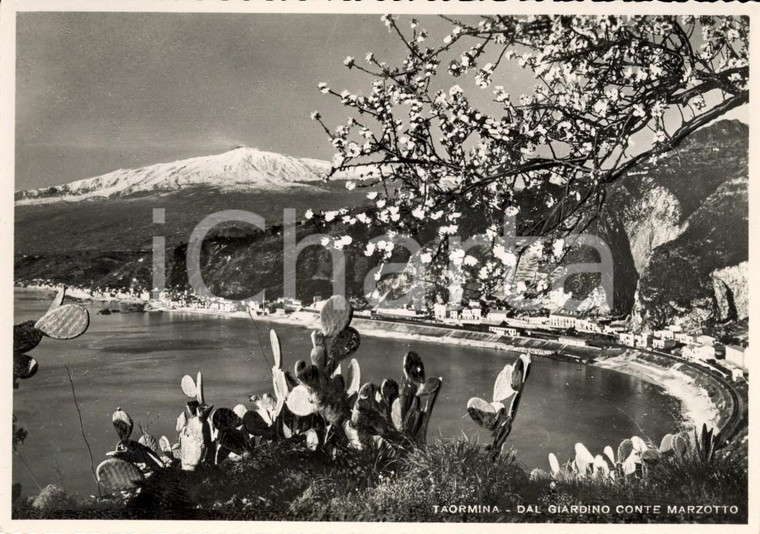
{"points": [[195, 439], [496, 416], [484, 413], [274, 341], [335, 315], [64, 322], [24, 366], [345, 344], [26, 337], [122, 423], [59, 322], [150, 442], [393, 411], [119, 475]]}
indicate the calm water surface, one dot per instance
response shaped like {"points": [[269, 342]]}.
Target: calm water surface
{"points": [[136, 360]]}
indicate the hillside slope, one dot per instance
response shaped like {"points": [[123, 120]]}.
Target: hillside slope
{"points": [[678, 233], [241, 169]]}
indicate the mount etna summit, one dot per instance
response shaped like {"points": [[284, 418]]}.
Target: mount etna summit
{"points": [[241, 169]]}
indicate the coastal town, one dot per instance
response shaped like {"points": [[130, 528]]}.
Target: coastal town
{"points": [[574, 332]]}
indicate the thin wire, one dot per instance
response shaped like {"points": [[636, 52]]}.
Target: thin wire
{"points": [[258, 338], [81, 427]]}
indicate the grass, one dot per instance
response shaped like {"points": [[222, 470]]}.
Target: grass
{"points": [[288, 482]]}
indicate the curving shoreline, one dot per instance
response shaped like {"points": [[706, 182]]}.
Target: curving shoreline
{"points": [[697, 407]]}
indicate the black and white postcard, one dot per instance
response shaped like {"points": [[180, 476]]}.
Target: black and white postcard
{"points": [[289, 262]]}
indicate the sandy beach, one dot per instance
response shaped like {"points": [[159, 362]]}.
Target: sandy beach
{"points": [[696, 406]]}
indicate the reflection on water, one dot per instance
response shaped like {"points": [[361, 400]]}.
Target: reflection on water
{"points": [[136, 360]]}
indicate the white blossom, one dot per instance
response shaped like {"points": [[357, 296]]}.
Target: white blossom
{"points": [[558, 248]]}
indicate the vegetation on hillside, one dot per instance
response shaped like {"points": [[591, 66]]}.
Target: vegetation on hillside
{"points": [[290, 482]]}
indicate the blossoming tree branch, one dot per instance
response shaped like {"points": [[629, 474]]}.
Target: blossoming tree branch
{"points": [[610, 93]]}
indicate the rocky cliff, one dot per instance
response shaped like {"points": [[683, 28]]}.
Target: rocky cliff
{"points": [[686, 226]]}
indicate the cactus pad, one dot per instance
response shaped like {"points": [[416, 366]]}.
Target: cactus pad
{"points": [[396, 416], [119, 475], [502, 388], [527, 360], [311, 376], [181, 421], [24, 366], [280, 384], [188, 386], [195, 440], [122, 423], [240, 410], [165, 445], [638, 444], [600, 465], [344, 344], [234, 441], [335, 315], [64, 322], [414, 370], [483, 413], [25, 337], [680, 445], [356, 377], [430, 386], [368, 415], [352, 434], [650, 455], [266, 406], [274, 340], [58, 300], [318, 357], [608, 452], [224, 418], [624, 450], [666, 445], [199, 394], [149, 441], [583, 458], [389, 391], [554, 464], [518, 370], [300, 402], [255, 424], [312, 439]]}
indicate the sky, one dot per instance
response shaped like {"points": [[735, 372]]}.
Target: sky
{"points": [[101, 91], [96, 92]]}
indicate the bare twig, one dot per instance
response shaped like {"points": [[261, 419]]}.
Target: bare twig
{"points": [[28, 468], [81, 427]]}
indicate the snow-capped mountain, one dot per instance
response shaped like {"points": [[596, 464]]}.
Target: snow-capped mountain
{"points": [[243, 168]]}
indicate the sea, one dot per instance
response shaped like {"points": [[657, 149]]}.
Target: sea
{"points": [[135, 361]]}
